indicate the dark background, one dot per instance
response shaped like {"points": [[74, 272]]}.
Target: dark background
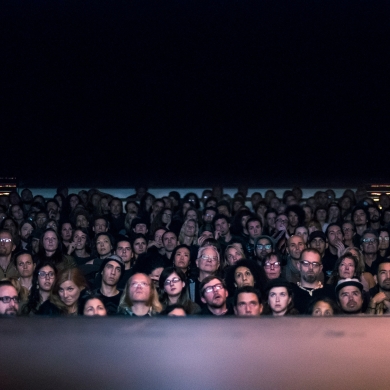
{"points": [[175, 93]]}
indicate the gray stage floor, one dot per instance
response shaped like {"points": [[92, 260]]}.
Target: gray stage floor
{"points": [[195, 353]]}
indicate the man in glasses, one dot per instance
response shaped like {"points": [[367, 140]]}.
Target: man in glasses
{"points": [[263, 246], [310, 285], [9, 299], [7, 246], [213, 294], [369, 244]]}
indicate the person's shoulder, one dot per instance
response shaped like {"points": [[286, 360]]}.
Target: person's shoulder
{"points": [[49, 309]]}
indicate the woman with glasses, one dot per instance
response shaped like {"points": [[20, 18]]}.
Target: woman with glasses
{"points": [[42, 285], [172, 285], [272, 266]]}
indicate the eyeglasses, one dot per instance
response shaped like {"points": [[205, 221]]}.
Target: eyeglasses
{"points": [[7, 240], [368, 240], [283, 221], [205, 257], [260, 246], [210, 289], [44, 275], [173, 280], [8, 299], [384, 238], [307, 264], [138, 284], [269, 265], [347, 229]]}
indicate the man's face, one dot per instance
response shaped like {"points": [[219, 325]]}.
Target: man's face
{"points": [[308, 214], [208, 261], [157, 207], [25, 265], [170, 241], [295, 247], [351, 300], [310, 267], [6, 244], [292, 219], [263, 247], [322, 199], [26, 231], [139, 288], [208, 217], [140, 228], [82, 221], [158, 238], [222, 226], [374, 214], [254, 229], [17, 212], [10, 308], [383, 276], [223, 210], [359, 218], [115, 207], [111, 273], [40, 220], [216, 298], [123, 250], [100, 226], [370, 244], [27, 196], [248, 305], [335, 235], [52, 209]]}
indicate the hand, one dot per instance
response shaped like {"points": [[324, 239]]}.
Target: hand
{"points": [[71, 248], [340, 247], [378, 298], [217, 234]]}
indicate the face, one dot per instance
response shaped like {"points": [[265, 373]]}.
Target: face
{"points": [[124, 251], [310, 267], [271, 218], [10, 226], [223, 210], [104, 204], [50, 242], [158, 238], [254, 229], [281, 222], [115, 207], [292, 219], [103, 245], [167, 216], [335, 235], [348, 231], [141, 228], [351, 300], [66, 232], [321, 215], [222, 226], [139, 246], [95, 200], [346, 268], [192, 215], [322, 309], [272, 268], [261, 210], [215, 298], [274, 203], [334, 211], [182, 258], [383, 276], [10, 308], [345, 203], [359, 218], [17, 212], [295, 247], [170, 241], [319, 244], [208, 262], [157, 207], [232, 255], [278, 300], [94, 307], [383, 240], [185, 207], [52, 209], [69, 293], [370, 243], [26, 196], [303, 232], [248, 305], [82, 221], [139, 288], [263, 247], [25, 265], [189, 230], [111, 273], [210, 214], [73, 202], [26, 231], [308, 214], [172, 286], [46, 278], [155, 276], [243, 277]]}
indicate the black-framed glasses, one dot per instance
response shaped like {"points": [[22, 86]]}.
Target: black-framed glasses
{"points": [[307, 264], [261, 246], [210, 289], [173, 280], [269, 265], [8, 299], [368, 240], [44, 275], [384, 238]]}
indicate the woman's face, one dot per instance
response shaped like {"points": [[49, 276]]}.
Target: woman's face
{"points": [[166, 216], [232, 256], [243, 277], [94, 307], [189, 230], [292, 219], [182, 258], [52, 225], [347, 268], [303, 232], [95, 200], [383, 240], [139, 246], [321, 215], [346, 203], [25, 265], [192, 215], [334, 212], [243, 220], [261, 210], [46, 278], [73, 202], [104, 204], [278, 300], [149, 202], [173, 285], [155, 276], [347, 229], [66, 231], [271, 218], [69, 293], [103, 245], [272, 268], [82, 221], [322, 309], [50, 242], [10, 226], [80, 239], [17, 212]]}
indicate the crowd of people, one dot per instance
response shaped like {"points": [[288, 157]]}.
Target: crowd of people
{"points": [[93, 254]]}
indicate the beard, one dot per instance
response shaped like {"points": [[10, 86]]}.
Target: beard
{"points": [[309, 278]]}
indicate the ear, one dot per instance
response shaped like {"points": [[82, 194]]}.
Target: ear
{"points": [[289, 300], [184, 284], [261, 308], [235, 285], [235, 310], [376, 279], [197, 262], [203, 300], [326, 245], [287, 250]]}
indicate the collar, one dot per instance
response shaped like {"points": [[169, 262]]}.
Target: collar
{"points": [[310, 290]]}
